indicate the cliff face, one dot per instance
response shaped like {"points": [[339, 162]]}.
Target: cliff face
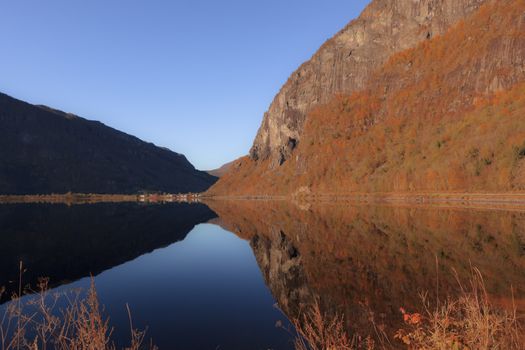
{"points": [[345, 63], [445, 115], [47, 151]]}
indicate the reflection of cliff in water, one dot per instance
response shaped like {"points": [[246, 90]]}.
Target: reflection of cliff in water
{"points": [[281, 266], [67, 243], [368, 261]]}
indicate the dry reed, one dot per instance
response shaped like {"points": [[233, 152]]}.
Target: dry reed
{"points": [[321, 331], [469, 321], [41, 324], [466, 322]]}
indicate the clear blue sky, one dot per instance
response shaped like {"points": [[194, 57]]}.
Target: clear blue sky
{"points": [[195, 76]]}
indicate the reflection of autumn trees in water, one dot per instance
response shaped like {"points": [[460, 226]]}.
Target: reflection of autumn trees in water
{"points": [[367, 261]]}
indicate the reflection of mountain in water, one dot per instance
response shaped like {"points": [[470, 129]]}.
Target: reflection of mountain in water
{"points": [[369, 261], [67, 243], [280, 264]]}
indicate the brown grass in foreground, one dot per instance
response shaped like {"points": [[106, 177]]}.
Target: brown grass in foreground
{"points": [[317, 331], [40, 324], [467, 322]]}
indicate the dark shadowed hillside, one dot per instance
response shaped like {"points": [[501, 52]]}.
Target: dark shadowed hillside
{"points": [[48, 151]]}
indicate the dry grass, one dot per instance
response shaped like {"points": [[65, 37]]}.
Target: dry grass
{"points": [[320, 331], [467, 322], [40, 324]]}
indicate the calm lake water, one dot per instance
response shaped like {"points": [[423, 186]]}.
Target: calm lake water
{"points": [[211, 277]]}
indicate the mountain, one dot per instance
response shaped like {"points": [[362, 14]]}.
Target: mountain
{"points": [[222, 170], [411, 96], [43, 150]]}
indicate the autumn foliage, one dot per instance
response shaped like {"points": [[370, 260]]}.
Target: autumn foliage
{"points": [[448, 115]]}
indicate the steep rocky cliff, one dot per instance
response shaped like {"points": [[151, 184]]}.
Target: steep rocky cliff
{"points": [[345, 62], [447, 114]]}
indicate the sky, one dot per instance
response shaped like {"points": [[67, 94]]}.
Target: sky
{"points": [[195, 76]]}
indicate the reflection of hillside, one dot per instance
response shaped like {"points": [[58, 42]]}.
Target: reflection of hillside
{"points": [[67, 243], [281, 266], [365, 258]]}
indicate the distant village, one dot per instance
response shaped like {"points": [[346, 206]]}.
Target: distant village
{"points": [[86, 198], [166, 198]]}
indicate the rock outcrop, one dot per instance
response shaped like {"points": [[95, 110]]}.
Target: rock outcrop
{"points": [[345, 63]]}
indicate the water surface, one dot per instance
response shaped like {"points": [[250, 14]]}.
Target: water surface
{"points": [[192, 284], [209, 277]]}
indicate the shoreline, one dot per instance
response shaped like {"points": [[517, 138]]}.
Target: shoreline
{"points": [[407, 197], [92, 198], [463, 200], [503, 200]]}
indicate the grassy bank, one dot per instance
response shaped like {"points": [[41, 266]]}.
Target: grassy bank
{"points": [[482, 200]]}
